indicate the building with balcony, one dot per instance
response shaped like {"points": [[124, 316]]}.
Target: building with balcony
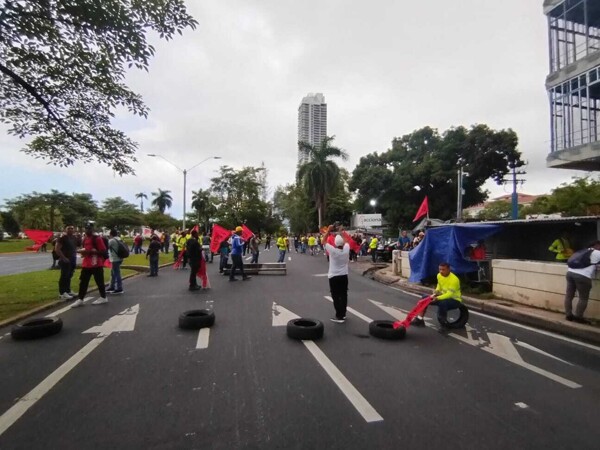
{"points": [[574, 83], [312, 121]]}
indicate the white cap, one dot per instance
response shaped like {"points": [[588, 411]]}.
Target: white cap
{"points": [[339, 241]]}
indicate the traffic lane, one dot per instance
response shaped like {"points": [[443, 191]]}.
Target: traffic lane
{"points": [[25, 262], [168, 405]]}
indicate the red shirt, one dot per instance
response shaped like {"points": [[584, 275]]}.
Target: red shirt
{"points": [[93, 260]]}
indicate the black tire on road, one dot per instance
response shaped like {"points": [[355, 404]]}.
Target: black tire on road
{"points": [[37, 328], [305, 329], [196, 319], [460, 322], [384, 329]]}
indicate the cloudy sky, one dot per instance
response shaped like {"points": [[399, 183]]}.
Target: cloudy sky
{"points": [[232, 87]]}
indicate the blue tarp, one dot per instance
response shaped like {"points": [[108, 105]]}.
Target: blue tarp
{"points": [[449, 244]]}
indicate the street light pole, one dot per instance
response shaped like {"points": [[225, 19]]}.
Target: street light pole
{"points": [[184, 171]]}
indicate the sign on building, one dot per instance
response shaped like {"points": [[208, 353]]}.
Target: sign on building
{"points": [[366, 220]]}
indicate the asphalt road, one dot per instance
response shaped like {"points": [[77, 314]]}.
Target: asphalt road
{"points": [[493, 386], [24, 262]]}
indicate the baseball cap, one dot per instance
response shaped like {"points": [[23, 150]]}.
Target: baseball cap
{"points": [[238, 229]]}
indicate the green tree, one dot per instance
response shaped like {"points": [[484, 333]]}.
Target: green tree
{"points": [[499, 210], [237, 197], [339, 205], [162, 200], [579, 198], [115, 212], [204, 206], [160, 221], [425, 163], [9, 223], [293, 203], [77, 209], [39, 210], [141, 196], [62, 71], [319, 174]]}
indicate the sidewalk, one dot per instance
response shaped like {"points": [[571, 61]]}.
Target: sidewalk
{"points": [[506, 309]]}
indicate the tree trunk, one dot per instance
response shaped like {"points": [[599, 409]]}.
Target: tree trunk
{"points": [[320, 216]]}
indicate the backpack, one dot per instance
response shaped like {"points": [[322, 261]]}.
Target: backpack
{"points": [[580, 259], [122, 250]]}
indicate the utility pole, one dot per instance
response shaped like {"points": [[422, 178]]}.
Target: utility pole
{"points": [[515, 196], [460, 192]]}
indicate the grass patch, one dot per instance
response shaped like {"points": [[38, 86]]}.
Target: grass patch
{"points": [[16, 245], [140, 259], [25, 291]]}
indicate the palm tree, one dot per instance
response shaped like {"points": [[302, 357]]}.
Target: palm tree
{"points": [[204, 206], [141, 196], [319, 174], [162, 200]]}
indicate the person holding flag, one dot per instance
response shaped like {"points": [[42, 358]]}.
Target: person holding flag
{"points": [[194, 254], [237, 247], [339, 252]]}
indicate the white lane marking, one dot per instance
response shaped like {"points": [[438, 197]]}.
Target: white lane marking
{"points": [[18, 409], [518, 325], [503, 348], [521, 405], [353, 311], [358, 401], [124, 321], [281, 316], [68, 307], [203, 337], [248, 258], [541, 352], [289, 258], [500, 346], [320, 274]]}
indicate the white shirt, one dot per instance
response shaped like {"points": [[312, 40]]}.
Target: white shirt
{"points": [[588, 271], [338, 260]]}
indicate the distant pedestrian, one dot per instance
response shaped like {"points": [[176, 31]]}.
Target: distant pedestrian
{"points": [[237, 244], [66, 251], [181, 243], [174, 238], [194, 255], [137, 244], [562, 247], [166, 242], [224, 254], [268, 242], [339, 256], [208, 256], [281, 247], [580, 280], [93, 254], [116, 282], [254, 248], [153, 254], [373, 248]]}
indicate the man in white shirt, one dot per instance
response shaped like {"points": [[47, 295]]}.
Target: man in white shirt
{"points": [[339, 256], [580, 280]]}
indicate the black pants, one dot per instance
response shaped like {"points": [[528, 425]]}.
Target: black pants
{"points": [[338, 287], [185, 259], [66, 273], [194, 266], [84, 281], [175, 252], [236, 262]]}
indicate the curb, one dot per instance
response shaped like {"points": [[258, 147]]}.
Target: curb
{"points": [[558, 326]]}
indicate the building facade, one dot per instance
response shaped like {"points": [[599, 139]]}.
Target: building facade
{"points": [[574, 83], [312, 121]]}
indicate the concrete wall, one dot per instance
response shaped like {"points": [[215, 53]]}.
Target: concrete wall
{"points": [[405, 265], [539, 284]]}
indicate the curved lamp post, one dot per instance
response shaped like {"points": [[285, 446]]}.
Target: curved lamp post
{"points": [[184, 171]]}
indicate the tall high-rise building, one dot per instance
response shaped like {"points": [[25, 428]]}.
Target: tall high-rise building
{"points": [[312, 121], [574, 83]]}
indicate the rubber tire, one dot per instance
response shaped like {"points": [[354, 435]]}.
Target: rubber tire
{"points": [[460, 322], [384, 329], [37, 328], [305, 329], [196, 319]]}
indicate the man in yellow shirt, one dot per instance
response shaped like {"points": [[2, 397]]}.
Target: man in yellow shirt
{"points": [[373, 247], [447, 295], [562, 248], [312, 242], [282, 247], [181, 241]]}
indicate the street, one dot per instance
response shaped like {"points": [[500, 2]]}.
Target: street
{"points": [[124, 376], [24, 262]]}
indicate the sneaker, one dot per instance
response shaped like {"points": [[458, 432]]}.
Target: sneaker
{"points": [[100, 301], [418, 322], [72, 295], [194, 288], [336, 320], [117, 291], [110, 290], [246, 278], [77, 303], [65, 297]]}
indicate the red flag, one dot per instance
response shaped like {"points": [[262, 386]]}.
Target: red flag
{"points": [[247, 233], [219, 234], [202, 274], [418, 309], [353, 245], [423, 210], [195, 228], [38, 237]]}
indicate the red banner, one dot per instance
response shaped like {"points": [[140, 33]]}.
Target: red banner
{"points": [[219, 234], [417, 310], [247, 233], [38, 237], [423, 210]]}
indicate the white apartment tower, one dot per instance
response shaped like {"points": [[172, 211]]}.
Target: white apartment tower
{"points": [[312, 121]]}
